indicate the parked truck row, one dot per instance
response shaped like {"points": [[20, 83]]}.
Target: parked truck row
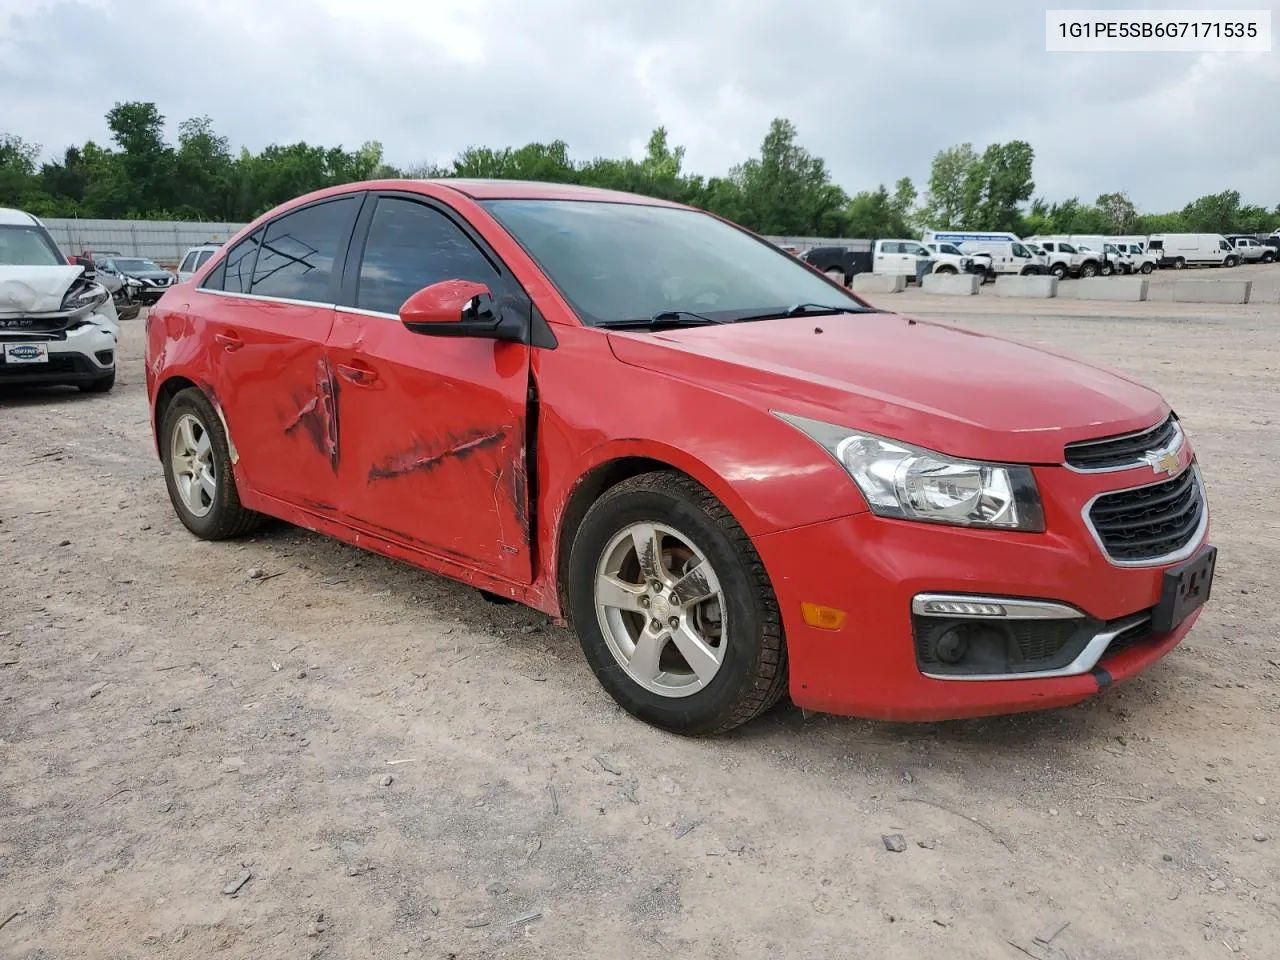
{"points": [[990, 254]]}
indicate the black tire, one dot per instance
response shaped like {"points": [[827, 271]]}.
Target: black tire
{"points": [[1059, 270], [752, 676], [1106, 269], [1089, 269], [1179, 263], [1268, 258], [227, 518], [946, 271], [1147, 268], [102, 384], [1231, 262]]}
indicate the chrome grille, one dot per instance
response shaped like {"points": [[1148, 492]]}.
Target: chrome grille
{"points": [[1124, 451]]}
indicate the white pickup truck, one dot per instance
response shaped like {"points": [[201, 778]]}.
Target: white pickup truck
{"points": [[902, 257]]}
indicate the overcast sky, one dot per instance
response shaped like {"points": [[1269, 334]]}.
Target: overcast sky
{"points": [[876, 88]]}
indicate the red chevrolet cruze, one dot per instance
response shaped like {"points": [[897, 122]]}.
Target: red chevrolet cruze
{"points": [[735, 478]]}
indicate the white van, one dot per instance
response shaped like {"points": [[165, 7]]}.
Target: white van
{"points": [[1180, 250]]}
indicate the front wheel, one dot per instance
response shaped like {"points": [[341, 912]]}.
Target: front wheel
{"points": [[1059, 270], [1107, 270], [673, 608], [102, 384], [197, 470], [946, 271], [1147, 268], [1230, 262], [1268, 258], [1089, 270]]}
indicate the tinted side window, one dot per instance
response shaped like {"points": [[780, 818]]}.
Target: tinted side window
{"points": [[202, 258], [236, 269], [297, 255], [188, 263], [412, 246]]}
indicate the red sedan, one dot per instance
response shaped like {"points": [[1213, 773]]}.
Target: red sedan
{"points": [[732, 476]]}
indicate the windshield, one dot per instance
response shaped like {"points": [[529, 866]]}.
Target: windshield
{"points": [[1036, 249], [139, 266], [22, 246], [617, 262]]}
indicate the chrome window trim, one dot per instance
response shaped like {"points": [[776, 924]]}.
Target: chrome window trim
{"points": [[1019, 609], [265, 299], [1085, 661], [360, 311], [1147, 459], [1192, 545]]}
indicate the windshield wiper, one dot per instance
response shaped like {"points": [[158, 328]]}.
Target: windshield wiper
{"points": [[663, 318], [803, 310]]}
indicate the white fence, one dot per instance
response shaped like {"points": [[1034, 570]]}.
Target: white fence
{"points": [[163, 241]]}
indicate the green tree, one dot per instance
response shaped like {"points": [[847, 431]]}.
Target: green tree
{"points": [[946, 200], [787, 190], [1118, 212], [147, 161], [17, 168]]}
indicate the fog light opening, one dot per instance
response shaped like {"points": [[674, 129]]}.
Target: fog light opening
{"points": [[951, 646]]}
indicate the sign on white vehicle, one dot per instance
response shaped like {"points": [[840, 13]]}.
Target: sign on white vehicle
{"points": [[26, 353]]}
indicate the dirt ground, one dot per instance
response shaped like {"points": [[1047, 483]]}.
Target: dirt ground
{"points": [[402, 769]]}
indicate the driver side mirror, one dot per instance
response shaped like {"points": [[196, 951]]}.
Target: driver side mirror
{"points": [[459, 308]]}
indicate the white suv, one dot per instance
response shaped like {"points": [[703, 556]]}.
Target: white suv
{"points": [[57, 323]]}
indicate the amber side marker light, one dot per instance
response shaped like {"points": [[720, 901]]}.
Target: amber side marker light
{"points": [[824, 618]]}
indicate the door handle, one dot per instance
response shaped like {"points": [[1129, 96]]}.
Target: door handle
{"points": [[229, 341], [361, 374]]}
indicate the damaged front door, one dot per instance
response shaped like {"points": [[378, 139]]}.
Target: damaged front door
{"points": [[434, 429]]}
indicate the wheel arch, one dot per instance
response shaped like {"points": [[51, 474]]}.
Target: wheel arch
{"points": [[612, 470], [170, 388]]}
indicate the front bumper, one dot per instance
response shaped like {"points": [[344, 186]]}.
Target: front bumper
{"points": [[873, 568], [75, 356]]}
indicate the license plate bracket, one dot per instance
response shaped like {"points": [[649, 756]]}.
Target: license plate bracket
{"points": [[1185, 589], [16, 353]]}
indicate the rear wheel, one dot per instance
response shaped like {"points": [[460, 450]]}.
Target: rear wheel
{"points": [[197, 470], [673, 608], [1179, 263]]}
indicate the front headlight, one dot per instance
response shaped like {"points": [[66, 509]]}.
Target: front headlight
{"points": [[911, 483], [85, 297]]}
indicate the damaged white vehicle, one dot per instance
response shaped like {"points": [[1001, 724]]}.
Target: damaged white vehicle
{"points": [[58, 325]]}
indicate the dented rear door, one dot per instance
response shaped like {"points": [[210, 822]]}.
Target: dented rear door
{"points": [[434, 428]]}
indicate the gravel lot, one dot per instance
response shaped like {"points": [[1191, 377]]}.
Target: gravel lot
{"points": [[400, 768]]}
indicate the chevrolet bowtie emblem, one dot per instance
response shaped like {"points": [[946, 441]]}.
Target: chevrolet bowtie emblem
{"points": [[1166, 463]]}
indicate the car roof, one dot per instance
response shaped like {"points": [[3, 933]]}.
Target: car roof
{"points": [[534, 190], [13, 217]]}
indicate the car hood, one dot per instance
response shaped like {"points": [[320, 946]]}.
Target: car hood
{"points": [[35, 289], [924, 382]]}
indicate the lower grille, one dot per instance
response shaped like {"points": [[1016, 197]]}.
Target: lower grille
{"points": [[1152, 523]]}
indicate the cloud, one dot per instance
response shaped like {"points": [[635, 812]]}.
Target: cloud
{"points": [[875, 87]]}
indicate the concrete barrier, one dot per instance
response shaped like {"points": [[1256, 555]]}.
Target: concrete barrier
{"points": [[951, 284], [878, 283], [1212, 291], [1112, 288], [1032, 285]]}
